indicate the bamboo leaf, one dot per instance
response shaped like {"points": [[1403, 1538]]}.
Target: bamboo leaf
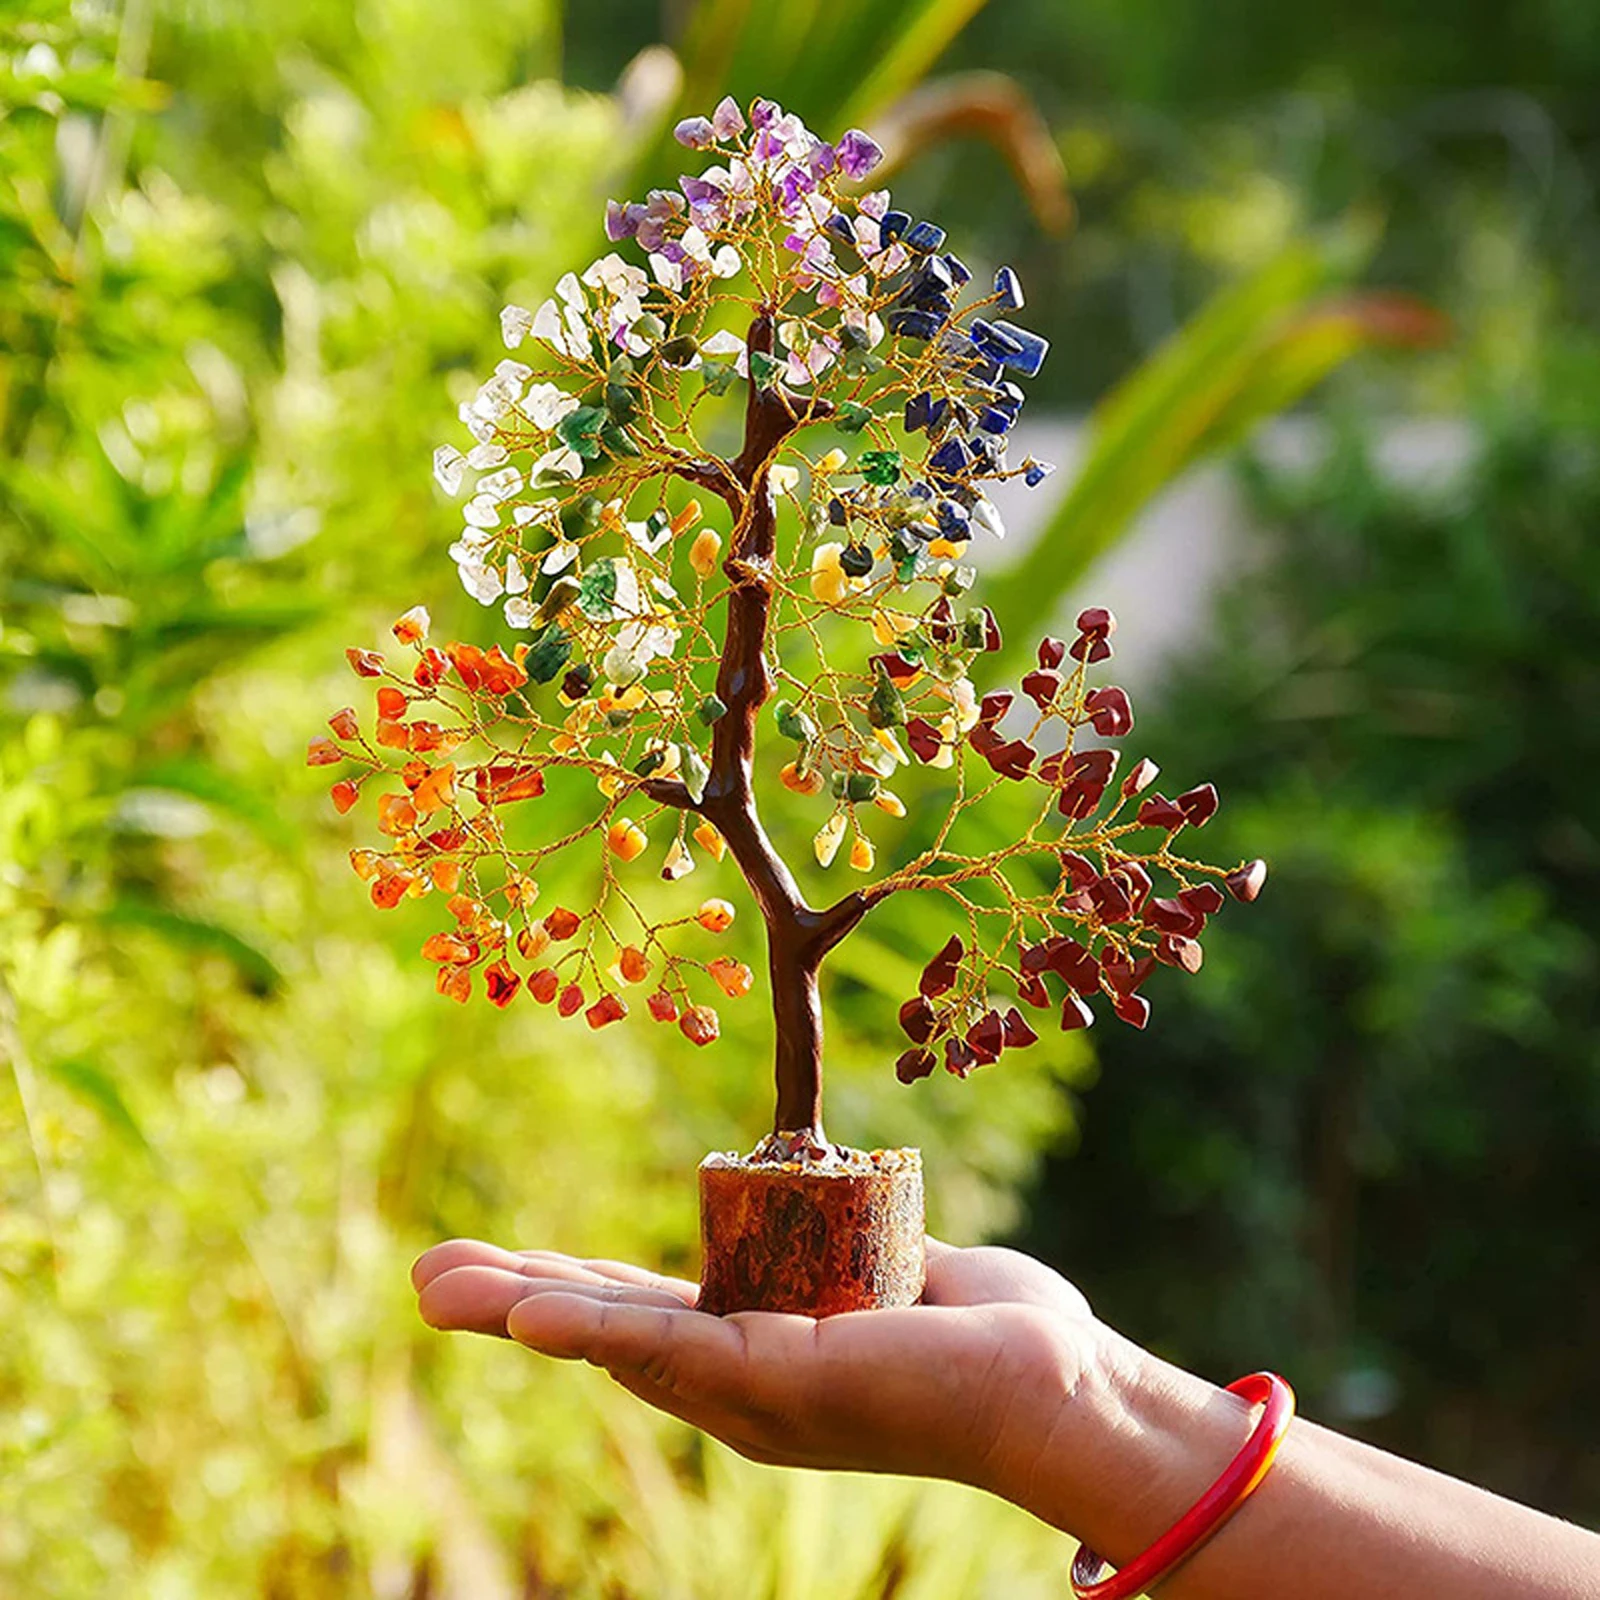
{"points": [[201, 780], [198, 935], [96, 1087], [1256, 348], [920, 35]]}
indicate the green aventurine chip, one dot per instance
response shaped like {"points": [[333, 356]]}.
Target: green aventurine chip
{"points": [[881, 467]]}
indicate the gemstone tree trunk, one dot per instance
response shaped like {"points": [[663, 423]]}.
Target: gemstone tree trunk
{"points": [[799, 1226]]}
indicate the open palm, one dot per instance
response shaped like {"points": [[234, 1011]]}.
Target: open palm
{"points": [[948, 1388]]}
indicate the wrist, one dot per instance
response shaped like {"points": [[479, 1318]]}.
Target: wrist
{"points": [[1127, 1447]]}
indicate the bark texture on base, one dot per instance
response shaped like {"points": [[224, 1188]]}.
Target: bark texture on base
{"points": [[812, 1238]]}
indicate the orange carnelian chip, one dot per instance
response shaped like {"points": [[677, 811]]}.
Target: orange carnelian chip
{"points": [[413, 772], [445, 875], [323, 752], [662, 1006], [732, 977], [430, 736], [413, 627], [455, 983], [393, 735], [608, 1008], [498, 785], [709, 837], [627, 840], [807, 782], [435, 791], [501, 983], [500, 674], [467, 659], [364, 663], [634, 963], [700, 1025], [389, 889], [345, 723], [715, 916], [562, 924], [533, 942], [396, 815], [430, 669], [543, 984], [392, 703], [571, 1000], [345, 794], [364, 863], [447, 947]]}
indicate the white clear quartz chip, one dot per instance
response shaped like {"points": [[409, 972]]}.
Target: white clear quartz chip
{"points": [[514, 324], [482, 511], [448, 466], [500, 485]]}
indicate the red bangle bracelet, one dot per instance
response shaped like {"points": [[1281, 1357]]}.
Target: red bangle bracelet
{"points": [[1239, 1480]]}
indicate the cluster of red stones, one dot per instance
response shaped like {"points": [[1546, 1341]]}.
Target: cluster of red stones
{"points": [[1122, 929]]}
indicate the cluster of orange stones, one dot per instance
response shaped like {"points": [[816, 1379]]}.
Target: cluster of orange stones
{"points": [[431, 834]]}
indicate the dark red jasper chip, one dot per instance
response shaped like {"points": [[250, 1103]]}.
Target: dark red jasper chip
{"points": [[994, 705], [1140, 778], [1173, 916], [1075, 1014], [1123, 975], [1012, 760], [959, 1057], [1206, 898], [1078, 870], [923, 738], [1160, 812], [1042, 687], [939, 976], [917, 1019], [914, 1064], [1134, 1009], [1176, 951], [1032, 991], [1110, 711], [987, 1036], [1245, 883], [1199, 804], [1017, 1031], [1111, 900]]}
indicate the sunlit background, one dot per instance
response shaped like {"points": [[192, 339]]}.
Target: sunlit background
{"points": [[1326, 391]]}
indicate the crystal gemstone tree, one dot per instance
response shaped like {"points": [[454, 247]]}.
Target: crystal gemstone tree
{"points": [[725, 493]]}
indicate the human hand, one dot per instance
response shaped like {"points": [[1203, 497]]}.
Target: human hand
{"points": [[967, 1385]]}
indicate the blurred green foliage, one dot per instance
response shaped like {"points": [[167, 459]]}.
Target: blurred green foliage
{"points": [[1368, 1133], [250, 259]]}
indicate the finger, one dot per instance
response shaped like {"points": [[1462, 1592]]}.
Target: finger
{"points": [[456, 1253], [683, 1289], [473, 1252], [477, 1299], [704, 1359]]}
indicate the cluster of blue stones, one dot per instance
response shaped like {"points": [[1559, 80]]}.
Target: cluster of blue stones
{"points": [[968, 430]]}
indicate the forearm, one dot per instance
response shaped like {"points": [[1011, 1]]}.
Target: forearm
{"points": [[1137, 1441]]}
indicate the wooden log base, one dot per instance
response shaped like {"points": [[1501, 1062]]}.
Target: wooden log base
{"points": [[818, 1237]]}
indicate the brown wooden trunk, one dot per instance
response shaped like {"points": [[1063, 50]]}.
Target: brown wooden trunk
{"points": [[808, 1237]]}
